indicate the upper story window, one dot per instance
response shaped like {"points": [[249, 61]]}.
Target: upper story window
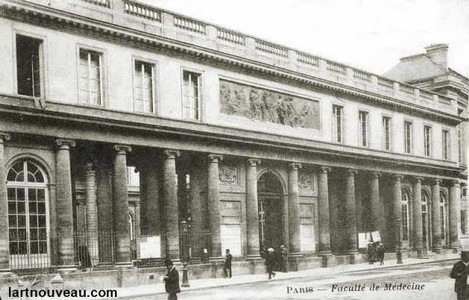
{"points": [[445, 144], [408, 131], [363, 128], [386, 133], [191, 95], [90, 77], [427, 141], [29, 66], [144, 89], [337, 123]]}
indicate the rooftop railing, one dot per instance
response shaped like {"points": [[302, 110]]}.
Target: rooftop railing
{"points": [[252, 47]]}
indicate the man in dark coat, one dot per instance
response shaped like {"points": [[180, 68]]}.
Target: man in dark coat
{"points": [[270, 262], [227, 264], [171, 281], [459, 273]]}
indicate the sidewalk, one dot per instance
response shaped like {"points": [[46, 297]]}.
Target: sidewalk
{"points": [[200, 284]]}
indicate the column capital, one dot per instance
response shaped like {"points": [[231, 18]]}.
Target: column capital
{"points": [[295, 166], [215, 158], [324, 169], [375, 174], [253, 162], [4, 137], [351, 172], [436, 181], [455, 183], [122, 149], [397, 177], [64, 143], [171, 153]]}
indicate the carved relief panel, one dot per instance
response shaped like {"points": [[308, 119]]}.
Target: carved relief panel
{"points": [[268, 106]]}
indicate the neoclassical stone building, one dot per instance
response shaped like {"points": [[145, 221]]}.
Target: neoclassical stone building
{"points": [[136, 134]]}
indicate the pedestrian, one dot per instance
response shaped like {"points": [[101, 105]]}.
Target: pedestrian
{"points": [[270, 262], [371, 252], [380, 253], [171, 280], [284, 253], [227, 264], [459, 273]]}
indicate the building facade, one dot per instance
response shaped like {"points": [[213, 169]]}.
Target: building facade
{"points": [[235, 143]]}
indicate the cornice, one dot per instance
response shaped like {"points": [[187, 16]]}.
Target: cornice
{"points": [[150, 125], [19, 12]]}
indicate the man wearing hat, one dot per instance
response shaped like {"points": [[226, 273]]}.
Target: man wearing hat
{"points": [[459, 273], [171, 280], [270, 262]]}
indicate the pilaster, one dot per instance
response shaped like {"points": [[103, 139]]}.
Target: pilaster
{"points": [[436, 219], [4, 238], [323, 212]]}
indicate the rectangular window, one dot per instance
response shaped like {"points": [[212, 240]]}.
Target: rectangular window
{"points": [[144, 87], [386, 133], [90, 78], [191, 95], [28, 66], [427, 140], [408, 137], [445, 144], [337, 121], [363, 128]]}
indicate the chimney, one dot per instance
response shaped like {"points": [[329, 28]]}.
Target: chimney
{"points": [[438, 53]]}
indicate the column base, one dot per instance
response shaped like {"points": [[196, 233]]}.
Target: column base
{"points": [[254, 257], [437, 250], [124, 265], [216, 259], [325, 253]]}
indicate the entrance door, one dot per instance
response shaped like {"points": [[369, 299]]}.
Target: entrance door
{"points": [[270, 212]]}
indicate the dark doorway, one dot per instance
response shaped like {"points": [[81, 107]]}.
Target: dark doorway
{"points": [[270, 198]]}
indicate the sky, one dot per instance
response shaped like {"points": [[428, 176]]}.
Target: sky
{"points": [[368, 34]]}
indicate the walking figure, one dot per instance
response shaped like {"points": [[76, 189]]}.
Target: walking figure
{"points": [[371, 252], [270, 262], [171, 281], [380, 250], [284, 253], [459, 273], [227, 264]]}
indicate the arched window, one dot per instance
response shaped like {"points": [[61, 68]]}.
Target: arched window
{"points": [[444, 218], [425, 216], [28, 224], [405, 216]]}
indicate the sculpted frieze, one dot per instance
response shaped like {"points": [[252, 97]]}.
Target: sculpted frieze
{"points": [[268, 106]]}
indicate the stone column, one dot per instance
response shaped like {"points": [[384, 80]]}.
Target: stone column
{"points": [[454, 214], [214, 205], [4, 239], [91, 213], [64, 203], [436, 220], [397, 210], [375, 209], [417, 216], [104, 207], [121, 205], [252, 209], [294, 209], [171, 204], [198, 195], [351, 213], [323, 212]]}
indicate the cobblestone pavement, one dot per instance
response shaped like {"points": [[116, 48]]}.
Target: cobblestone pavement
{"points": [[424, 281]]}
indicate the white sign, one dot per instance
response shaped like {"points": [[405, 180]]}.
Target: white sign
{"points": [[150, 247]]}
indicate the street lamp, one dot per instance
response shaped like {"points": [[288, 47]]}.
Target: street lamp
{"points": [[398, 241], [185, 232]]}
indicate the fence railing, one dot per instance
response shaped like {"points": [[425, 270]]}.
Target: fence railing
{"points": [[103, 3], [188, 24], [143, 11]]}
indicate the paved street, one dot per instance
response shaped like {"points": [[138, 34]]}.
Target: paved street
{"points": [[423, 281]]}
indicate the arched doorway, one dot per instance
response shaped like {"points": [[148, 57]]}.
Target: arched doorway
{"points": [[271, 211], [425, 219], [28, 216]]}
